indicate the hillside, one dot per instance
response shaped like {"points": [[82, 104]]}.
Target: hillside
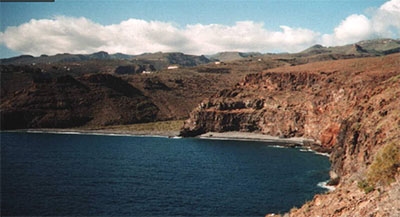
{"points": [[371, 47], [97, 99], [158, 60], [350, 108], [27, 82], [174, 93], [231, 56], [367, 48]]}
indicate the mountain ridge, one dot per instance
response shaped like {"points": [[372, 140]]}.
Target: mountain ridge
{"points": [[373, 47]]}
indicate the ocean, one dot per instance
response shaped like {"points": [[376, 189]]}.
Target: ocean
{"points": [[45, 174]]}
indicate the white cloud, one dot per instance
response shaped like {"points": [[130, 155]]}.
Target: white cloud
{"points": [[386, 21], [134, 36], [391, 6], [383, 23], [54, 36], [137, 36], [354, 27], [247, 36]]}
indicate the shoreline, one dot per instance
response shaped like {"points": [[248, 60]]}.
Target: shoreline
{"points": [[232, 135], [100, 132], [245, 136], [294, 142]]}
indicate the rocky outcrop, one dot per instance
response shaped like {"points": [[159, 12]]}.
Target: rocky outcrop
{"points": [[349, 107]]}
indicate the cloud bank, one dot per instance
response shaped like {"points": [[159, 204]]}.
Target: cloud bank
{"points": [[135, 36]]}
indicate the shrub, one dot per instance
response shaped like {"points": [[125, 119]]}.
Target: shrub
{"points": [[384, 167], [364, 185]]}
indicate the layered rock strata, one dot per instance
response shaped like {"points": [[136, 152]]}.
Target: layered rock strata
{"points": [[351, 108]]}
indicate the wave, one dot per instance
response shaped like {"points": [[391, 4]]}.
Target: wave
{"points": [[326, 186], [278, 146], [321, 153], [315, 152], [307, 149]]}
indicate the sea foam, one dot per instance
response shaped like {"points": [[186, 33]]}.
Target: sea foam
{"points": [[326, 186]]}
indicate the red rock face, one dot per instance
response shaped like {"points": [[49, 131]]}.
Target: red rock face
{"points": [[350, 107], [329, 135]]}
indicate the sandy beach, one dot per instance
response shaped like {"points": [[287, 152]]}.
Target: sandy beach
{"points": [[305, 143], [254, 137]]}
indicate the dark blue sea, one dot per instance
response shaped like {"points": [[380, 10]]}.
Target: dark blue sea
{"points": [[94, 175]]}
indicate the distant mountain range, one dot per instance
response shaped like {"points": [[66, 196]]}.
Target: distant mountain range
{"points": [[233, 55], [161, 60], [375, 47]]}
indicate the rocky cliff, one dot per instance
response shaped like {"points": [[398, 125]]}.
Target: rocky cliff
{"points": [[98, 93], [349, 107]]}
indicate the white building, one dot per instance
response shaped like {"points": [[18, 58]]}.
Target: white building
{"points": [[173, 67]]}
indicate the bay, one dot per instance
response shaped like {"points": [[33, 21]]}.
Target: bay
{"points": [[46, 174]]}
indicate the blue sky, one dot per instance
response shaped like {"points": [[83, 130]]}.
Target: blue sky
{"points": [[192, 26]]}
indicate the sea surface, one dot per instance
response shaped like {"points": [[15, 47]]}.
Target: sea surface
{"points": [[97, 175]]}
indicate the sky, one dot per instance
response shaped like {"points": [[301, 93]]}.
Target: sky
{"points": [[191, 26]]}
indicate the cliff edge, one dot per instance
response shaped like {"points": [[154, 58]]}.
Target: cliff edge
{"points": [[350, 108]]}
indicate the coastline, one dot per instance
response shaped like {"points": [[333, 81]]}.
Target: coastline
{"points": [[294, 142], [168, 129], [102, 132]]}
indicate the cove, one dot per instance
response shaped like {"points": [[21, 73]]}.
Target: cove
{"points": [[92, 175]]}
